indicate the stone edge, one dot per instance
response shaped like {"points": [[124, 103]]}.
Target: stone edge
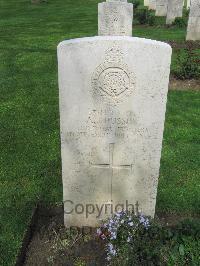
{"points": [[113, 38]]}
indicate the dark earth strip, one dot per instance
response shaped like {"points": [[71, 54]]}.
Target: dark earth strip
{"points": [[184, 85], [53, 244]]}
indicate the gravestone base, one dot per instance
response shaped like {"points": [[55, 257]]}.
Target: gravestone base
{"points": [[152, 5], [174, 10], [146, 2], [161, 11], [193, 31]]}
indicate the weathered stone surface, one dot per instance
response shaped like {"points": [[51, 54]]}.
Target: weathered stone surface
{"points": [[152, 4], [193, 29], [161, 8], [115, 19], [174, 10], [146, 2], [113, 93]]}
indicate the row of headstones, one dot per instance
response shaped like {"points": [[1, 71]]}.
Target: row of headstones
{"points": [[113, 93], [173, 9]]}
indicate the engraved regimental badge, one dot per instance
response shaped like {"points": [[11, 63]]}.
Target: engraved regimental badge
{"points": [[112, 79]]}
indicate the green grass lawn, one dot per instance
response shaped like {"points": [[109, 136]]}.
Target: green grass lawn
{"points": [[160, 33], [29, 114], [179, 182]]}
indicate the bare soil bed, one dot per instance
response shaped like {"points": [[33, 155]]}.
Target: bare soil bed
{"points": [[52, 244], [184, 45], [184, 85]]}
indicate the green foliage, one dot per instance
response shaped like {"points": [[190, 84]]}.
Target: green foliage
{"points": [[188, 64], [158, 32], [144, 16], [136, 4], [186, 13], [189, 227], [138, 244], [141, 16], [180, 22], [144, 247], [151, 19]]}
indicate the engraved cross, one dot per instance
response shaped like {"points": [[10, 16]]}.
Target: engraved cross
{"points": [[111, 164]]}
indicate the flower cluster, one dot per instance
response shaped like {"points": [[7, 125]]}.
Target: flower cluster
{"points": [[122, 225], [144, 220]]}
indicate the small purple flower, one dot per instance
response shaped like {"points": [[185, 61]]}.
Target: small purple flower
{"points": [[108, 258], [128, 239], [103, 236], [130, 223], [118, 214], [99, 232], [144, 221], [111, 249], [113, 235], [105, 225]]}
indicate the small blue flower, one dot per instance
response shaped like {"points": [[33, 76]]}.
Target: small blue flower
{"points": [[128, 239], [99, 232], [111, 249], [130, 223], [118, 214], [144, 221]]}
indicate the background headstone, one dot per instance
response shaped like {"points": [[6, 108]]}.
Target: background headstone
{"points": [[193, 29], [113, 93], [115, 18], [146, 2], [174, 10], [152, 4], [161, 8]]}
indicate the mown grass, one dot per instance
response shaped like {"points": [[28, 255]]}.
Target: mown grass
{"points": [[179, 182], [29, 115], [160, 33]]}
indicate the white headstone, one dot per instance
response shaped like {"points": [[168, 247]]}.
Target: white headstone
{"points": [[115, 19], [193, 29], [113, 93], [174, 10], [152, 4], [161, 8], [146, 2]]}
